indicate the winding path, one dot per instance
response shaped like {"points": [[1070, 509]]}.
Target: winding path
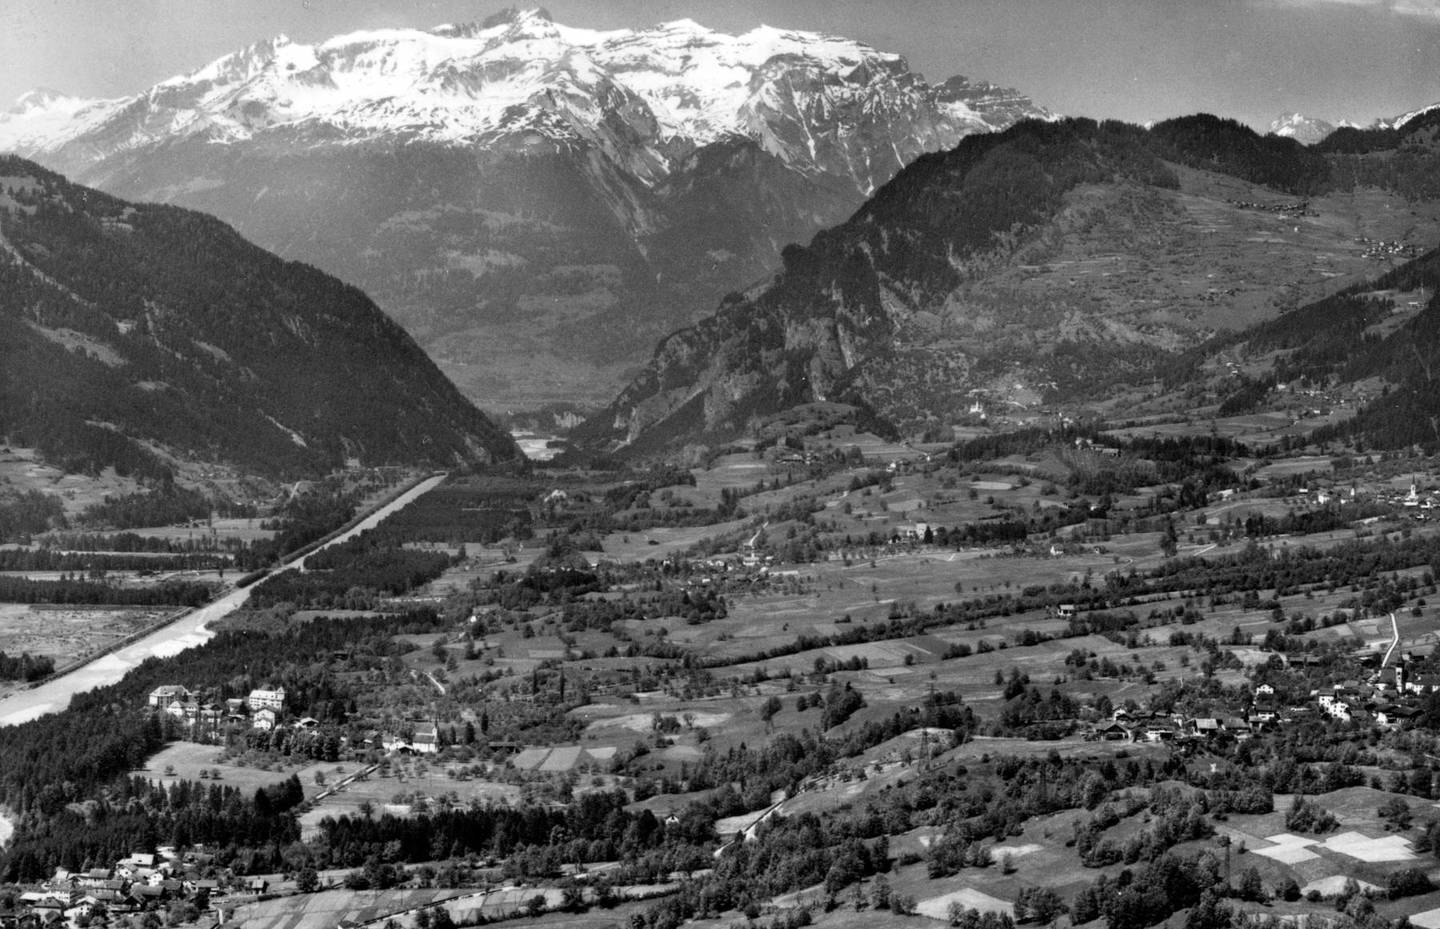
{"points": [[189, 630]]}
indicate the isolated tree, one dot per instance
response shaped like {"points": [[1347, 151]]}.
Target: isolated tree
{"points": [[768, 709], [1396, 812], [1169, 540], [1251, 887], [880, 893]]}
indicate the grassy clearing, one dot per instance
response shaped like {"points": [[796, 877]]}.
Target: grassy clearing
{"points": [[244, 530], [394, 788], [21, 469], [187, 759]]}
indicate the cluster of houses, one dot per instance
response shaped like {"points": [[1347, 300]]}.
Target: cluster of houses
{"points": [[1299, 208], [1381, 249], [1388, 700], [1414, 501], [1169, 727], [140, 882], [262, 709]]}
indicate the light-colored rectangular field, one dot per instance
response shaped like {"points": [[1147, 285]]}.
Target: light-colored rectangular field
{"points": [[561, 759], [1288, 849], [1334, 885], [939, 907], [1430, 919], [1386, 848]]}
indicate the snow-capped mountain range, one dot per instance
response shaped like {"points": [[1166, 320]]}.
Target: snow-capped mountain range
{"points": [[1309, 131], [537, 204], [646, 98]]}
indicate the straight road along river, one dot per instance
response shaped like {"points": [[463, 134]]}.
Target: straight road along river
{"points": [[186, 632]]}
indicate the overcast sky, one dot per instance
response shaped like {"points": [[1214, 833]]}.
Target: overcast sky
{"points": [[1131, 59]]}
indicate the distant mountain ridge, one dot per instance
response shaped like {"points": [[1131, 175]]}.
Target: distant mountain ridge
{"points": [[1311, 131], [536, 203], [133, 336]]}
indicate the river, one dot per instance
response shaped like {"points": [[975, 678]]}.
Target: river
{"points": [[535, 445], [189, 630]]}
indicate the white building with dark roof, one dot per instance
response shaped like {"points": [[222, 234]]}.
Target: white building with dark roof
{"points": [[167, 694], [261, 699]]}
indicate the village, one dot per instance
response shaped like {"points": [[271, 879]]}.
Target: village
{"points": [[169, 883], [263, 710]]}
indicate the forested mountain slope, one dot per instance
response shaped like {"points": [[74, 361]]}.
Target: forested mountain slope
{"points": [[1051, 264], [129, 333]]}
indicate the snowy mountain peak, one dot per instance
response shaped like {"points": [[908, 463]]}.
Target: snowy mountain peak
{"points": [[1400, 121], [646, 98], [1302, 129]]}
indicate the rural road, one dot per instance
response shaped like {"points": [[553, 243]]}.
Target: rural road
{"points": [[186, 632], [1394, 643]]}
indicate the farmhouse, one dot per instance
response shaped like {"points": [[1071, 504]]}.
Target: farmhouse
{"points": [[425, 740], [1206, 726], [1110, 730], [1159, 732], [1393, 716]]}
